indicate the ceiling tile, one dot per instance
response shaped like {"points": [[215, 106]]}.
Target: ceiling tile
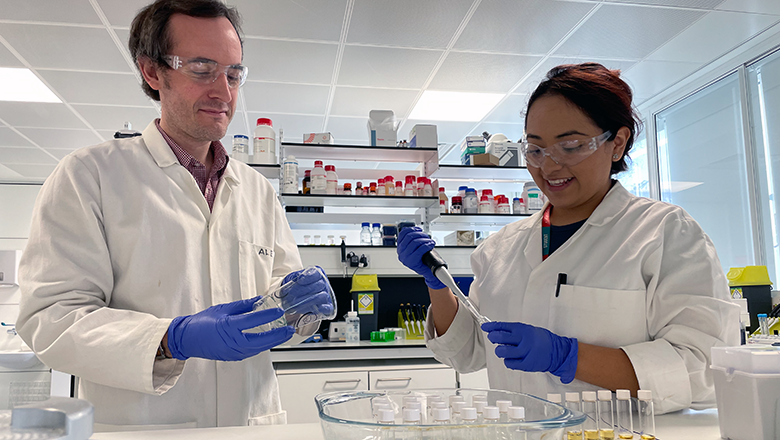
{"points": [[474, 72], [49, 10], [16, 155], [9, 138], [447, 131], [7, 173], [353, 129], [65, 47], [702, 4], [285, 98], [108, 118], [520, 26], [510, 110], [386, 67], [651, 77], [530, 83], [294, 126], [358, 101], [304, 19], [96, 88], [7, 59], [121, 13], [37, 114], [757, 6], [36, 171], [632, 32], [292, 61], [409, 23], [713, 36], [59, 138]]}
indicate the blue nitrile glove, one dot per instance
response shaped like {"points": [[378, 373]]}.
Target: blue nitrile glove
{"points": [[217, 332], [309, 298], [528, 348], [413, 243]]}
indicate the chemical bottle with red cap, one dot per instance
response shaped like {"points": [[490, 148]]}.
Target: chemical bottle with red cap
{"points": [[264, 143], [319, 179]]}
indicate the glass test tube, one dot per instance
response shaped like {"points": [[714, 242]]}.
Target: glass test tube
{"points": [[590, 428], [625, 425], [573, 403], [763, 324], [606, 421], [646, 415]]}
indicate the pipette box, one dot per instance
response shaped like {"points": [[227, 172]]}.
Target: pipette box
{"points": [[747, 390]]}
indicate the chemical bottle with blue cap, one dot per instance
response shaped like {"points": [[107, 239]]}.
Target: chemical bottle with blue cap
{"points": [[365, 234]]}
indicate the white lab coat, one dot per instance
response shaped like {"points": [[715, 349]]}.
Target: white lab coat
{"points": [[122, 241], [642, 276]]}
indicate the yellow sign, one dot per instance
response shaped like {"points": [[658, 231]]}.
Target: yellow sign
{"points": [[365, 303], [736, 292]]}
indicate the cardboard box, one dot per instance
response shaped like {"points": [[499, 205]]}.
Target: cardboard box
{"points": [[318, 138], [508, 153], [423, 136], [480, 159], [472, 141], [459, 238], [382, 131]]}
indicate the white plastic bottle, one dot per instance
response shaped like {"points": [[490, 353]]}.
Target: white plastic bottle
{"points": [[470, 202], [427, 188], [365, 234], [484, 206], [240, 148], [352, 332], [331, 179], [376, 235], [319, 179], [264, 142], [410, 189], [532, 195], [503, 205], [290, 176]]}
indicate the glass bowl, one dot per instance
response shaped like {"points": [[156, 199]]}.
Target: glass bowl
{"points": [[351, 416]]}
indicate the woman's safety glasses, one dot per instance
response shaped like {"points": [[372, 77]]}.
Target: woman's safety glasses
{"points": [[566, 153], [206, 71]]}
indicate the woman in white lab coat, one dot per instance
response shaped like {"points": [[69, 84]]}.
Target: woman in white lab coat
{"points": [[599, 290]]}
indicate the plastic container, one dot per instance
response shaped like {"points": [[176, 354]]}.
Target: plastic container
{"points": [[427, 190], [410, 189], [484, 206], [533, 197], [264, 143], [290, 176], [747, 386], [462, 191], [493, 203], [389, 186], [376, 235], [443, 200], [470, 202], [380, 187], [503, 206], [365, 234], [457, 205], [399, 188], [319, 179], [352, 332], [350, 416], [331, 180], [240, 148]]}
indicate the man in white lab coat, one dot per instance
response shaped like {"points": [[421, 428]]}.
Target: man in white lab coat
{"points": [[147, 254]]}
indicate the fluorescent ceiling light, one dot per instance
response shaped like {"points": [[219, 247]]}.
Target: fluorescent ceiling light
{"points": [[454, 106], [21, 85]]}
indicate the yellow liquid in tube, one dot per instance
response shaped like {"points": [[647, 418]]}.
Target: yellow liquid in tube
{"points": [[647, 437], [591, 434], [574, 435], [625, 436], [607, 434]]}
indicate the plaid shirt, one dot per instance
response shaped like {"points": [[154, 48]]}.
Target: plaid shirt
{"points": [[208, 184]]}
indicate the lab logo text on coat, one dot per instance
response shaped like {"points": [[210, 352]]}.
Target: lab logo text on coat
{"points": [[266, 252]]}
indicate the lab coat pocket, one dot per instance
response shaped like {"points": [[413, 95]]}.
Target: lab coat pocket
{"points": [[606, 317], [279, 418], [255, 263]]}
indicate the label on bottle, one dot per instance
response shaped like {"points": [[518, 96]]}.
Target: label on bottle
{"points": [[318, 183]]}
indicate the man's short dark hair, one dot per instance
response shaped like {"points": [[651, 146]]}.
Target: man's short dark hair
{"points": [[149, 32]]}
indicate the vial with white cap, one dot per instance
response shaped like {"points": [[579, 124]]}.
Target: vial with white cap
{"points": [[503, 409], [441, 416], [411, 416], [573, 403], [646, 415], [468, 415], [606, 420], [386, 417], [480, 407], [490, 414], [554, 398], [456, 415], [516, 414], [625, 425], [590, 428]]}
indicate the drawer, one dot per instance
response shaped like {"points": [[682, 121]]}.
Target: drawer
{"points": [[412, 379], [297, 391]]}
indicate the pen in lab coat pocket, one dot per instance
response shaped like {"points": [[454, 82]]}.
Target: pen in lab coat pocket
{"points": [[561, 280]]}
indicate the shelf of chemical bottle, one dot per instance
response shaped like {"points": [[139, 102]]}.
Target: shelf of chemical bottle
{"points": [[330, 221], [358, 201], [456, 173], [345, 174], [360, 153], [447, 222], [269, 171]]}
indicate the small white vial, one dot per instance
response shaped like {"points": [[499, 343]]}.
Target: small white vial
{"points": [[468, 415], [646, 415], [490, 414], [411, 416], [503, 409], [625, 424], [441, 416], [606, 419], [386, 417]]}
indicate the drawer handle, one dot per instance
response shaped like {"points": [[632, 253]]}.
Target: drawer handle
{"points": [[327, 382], [395, 379]]}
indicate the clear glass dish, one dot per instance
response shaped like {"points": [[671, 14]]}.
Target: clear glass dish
{"points": [[350, 416]]}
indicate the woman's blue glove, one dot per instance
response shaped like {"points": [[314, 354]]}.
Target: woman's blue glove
{"points": [[528, 348], [217, 332], [413, 243]]}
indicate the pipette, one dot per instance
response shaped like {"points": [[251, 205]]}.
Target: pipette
{"points": [[438, 266]]}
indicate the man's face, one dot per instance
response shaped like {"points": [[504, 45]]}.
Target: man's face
{"points": [[200, 112]]}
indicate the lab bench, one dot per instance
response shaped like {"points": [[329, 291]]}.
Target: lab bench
{"points": [[683, 425]]}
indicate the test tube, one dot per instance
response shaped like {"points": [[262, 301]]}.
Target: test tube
{"points": [[646, 415], [625, 425], [573, 403], [763, 324], [590, 428], [606, 419]]}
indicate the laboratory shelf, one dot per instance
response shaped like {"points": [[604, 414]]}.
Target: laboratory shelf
{"points": [[358, 201], [269, 171], [485, 222], [359, 152], [481, 172], [330, 221]]}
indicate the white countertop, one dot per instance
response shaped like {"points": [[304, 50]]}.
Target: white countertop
{"points": [[684, 425]]}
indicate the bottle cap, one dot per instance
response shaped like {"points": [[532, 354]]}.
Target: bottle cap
{"points": [[376, 225], [761, 315], [347, 186], [307, 173], [441, 189], [240, 136], [440, 404], [503, 405], [471, 190], [413, 404], [289, 158], [441, 414], [468, 413], [372, 184], [487, 191], [408, 399], [398, 184], [623, 394], [352, 314], [644, 395], [490, 412], [265, 121], [456, 398], [572, 397], [378, 406], [381, 182], [317, 164], [386, 415], [516, 199], [516, 412], [484, 199], [589, 396], [480, 406], [554, 398], [389, 178], [503, 200], [411, 415], [365, 224], [605, 395], [410, 179], [463, 188], [457, 406], [457, 199], [330, 168]]}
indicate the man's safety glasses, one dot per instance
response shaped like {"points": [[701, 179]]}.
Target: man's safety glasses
{"points": [[207, 71], [566, 153]]}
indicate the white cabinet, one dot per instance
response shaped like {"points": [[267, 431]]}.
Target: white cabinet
{"points": [[412, 379], [297, 391]]}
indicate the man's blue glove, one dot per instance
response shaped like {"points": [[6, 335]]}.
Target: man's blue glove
{"points": [[413, 243], [528, 348], [307, 298], [217, 333]]}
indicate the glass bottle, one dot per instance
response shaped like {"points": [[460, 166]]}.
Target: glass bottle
{"points": [[365, 234], [516, 414], [606, 420], [347, 189], [646, 415], [470, 202], [443, 208], [389, 186], [573, 403], [625, 425], [590, 429], [457, 205], [359, 188], [372, 189], [503, 409], [306, 182], [376, 235]]}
